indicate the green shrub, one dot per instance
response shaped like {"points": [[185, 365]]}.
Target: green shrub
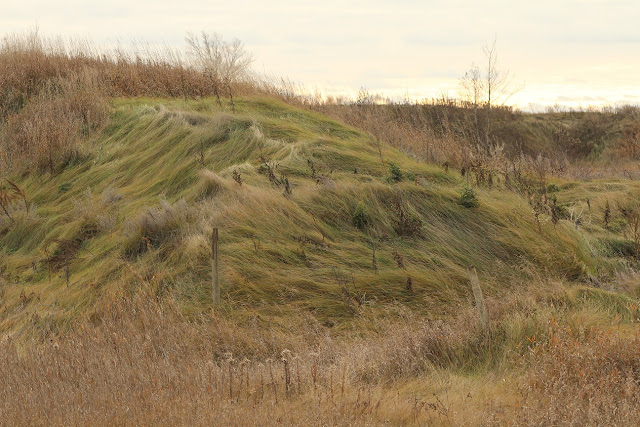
{"points": [[360, 217], [395, 174], [619, 247], [64, 187], [468, 198], [552, 188], [617, 225], [410, 176], [559, 210]]}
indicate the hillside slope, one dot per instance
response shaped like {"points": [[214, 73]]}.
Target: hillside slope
{"points": [[300, 200]]}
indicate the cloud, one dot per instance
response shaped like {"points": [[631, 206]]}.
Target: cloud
{"points": [[581, 99], [570, 49]]}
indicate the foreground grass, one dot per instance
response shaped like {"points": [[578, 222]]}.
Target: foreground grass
{"points": [[548, 357]]}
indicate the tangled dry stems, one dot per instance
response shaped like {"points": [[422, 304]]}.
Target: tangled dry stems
{"points": [[582, 377], [137, 361]]}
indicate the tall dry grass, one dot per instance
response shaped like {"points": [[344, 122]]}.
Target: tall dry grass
{"points": [[581, 377], [140, 362], [582, 144], [445, 132], [46, 131], [55, 93], [29, 61]]}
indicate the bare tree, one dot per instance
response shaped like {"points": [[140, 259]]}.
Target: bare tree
{"points": [[235, 62], [224, 63], [207, 50], [487, 88], [497, 84], [471, 89]]}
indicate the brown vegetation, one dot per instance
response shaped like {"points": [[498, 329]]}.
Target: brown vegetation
{"points": [[138, 361], [445, 131], [54, 94], [581, 377]]}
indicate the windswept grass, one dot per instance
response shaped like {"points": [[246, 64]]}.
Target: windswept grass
{"points": [[288, 238]]}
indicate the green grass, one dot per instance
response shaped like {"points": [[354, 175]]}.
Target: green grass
{"points": [[280, 253]]}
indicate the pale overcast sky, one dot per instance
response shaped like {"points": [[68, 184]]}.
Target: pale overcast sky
{"points": [[568, 52]]}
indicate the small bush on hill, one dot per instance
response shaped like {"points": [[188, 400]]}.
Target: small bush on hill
{"points": [[410, 176], [552, 188], [468, 198], [360, 217], [395, 174], [407, 221], [617, 225]]}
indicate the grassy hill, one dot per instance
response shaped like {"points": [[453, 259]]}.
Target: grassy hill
{"points": [[106, 298], [136, 209]]}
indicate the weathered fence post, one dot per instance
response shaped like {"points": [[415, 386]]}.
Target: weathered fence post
{"points": [[66, 273], [477, 294], [215, 267], [374, 262]]}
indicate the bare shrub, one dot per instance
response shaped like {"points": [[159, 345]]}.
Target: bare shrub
{"points": [[158, 225], [407, 220], [48, 130], [110, 196], [224, 63], [10, 196]]}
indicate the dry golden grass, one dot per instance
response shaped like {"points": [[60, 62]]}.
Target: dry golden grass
{"points": [[587, 144], [143, 364], [139, 362], [581, 377], [47, 131], [29, 61]]}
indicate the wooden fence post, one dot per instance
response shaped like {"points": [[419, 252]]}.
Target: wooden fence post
{"points": [[66, 273], [374, 262], [215, 267], [477, 294]]}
